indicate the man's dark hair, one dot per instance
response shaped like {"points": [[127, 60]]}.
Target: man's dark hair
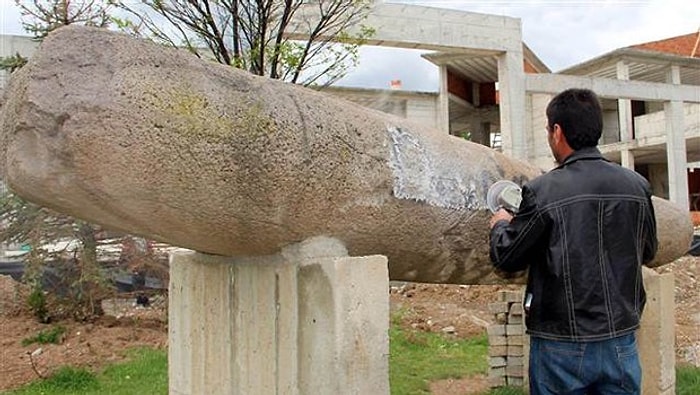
{"points": [[579, 115]]}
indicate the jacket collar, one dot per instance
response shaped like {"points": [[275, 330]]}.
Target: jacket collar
{"points": [[583, 153]]}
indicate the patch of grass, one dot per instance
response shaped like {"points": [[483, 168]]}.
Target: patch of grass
{"points": [[687, 380], [417, 358], [66, 380], [52, 335], [145, 373], [507, 391]]}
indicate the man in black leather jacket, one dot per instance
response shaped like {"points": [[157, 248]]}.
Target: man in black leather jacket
{"points": [[584, 230]]}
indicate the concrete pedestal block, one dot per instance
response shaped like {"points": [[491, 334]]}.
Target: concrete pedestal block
{"points": [[656, 336], [310, 320]]}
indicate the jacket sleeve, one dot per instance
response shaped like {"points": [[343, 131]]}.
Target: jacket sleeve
{"points": [[510, 243], [649, 233]]}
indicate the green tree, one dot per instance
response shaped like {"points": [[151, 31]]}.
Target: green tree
{"points": [[12, 63], [254, 34], [40, 17]]}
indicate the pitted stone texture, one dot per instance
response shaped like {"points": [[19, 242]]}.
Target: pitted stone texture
{"points": [[156, 142], [674, 229]]}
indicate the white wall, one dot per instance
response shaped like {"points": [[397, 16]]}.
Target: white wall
{"points": [[654, 124], [538, 148], [420, 107], [423, 110], [611, 127]]}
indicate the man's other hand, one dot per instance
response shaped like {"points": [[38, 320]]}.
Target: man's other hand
{"points": [[501, 214]]}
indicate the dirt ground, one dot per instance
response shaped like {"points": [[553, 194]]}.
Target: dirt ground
{"points": [[455, 310]]}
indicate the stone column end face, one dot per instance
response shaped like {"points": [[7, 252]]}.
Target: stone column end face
{"points": [[315, 247]]}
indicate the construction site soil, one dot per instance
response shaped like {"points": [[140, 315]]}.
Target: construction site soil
{"points": [[459, 311]]}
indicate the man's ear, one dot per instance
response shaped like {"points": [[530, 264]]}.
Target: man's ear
{"points": [[561, 142], [559, 135]]}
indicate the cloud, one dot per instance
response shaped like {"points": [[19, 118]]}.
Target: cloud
{"points": [[10, 22], [379, 66]]}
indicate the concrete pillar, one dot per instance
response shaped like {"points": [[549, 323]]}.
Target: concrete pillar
{"points": [[625, 121], [480, 130], [675, 146], [530, 129], [658, 178], [511, 88], [627, 158], [476, 95], [656, 336], [309, 320], [443, 112], [624, 106]]}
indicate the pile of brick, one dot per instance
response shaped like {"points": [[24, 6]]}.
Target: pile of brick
{"points": [[507, 341]]}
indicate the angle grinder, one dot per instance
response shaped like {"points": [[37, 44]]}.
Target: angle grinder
{"points": [[504, 194]]}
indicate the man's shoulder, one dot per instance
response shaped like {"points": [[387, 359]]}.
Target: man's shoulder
{"points": [[544, 179], [629, 174], [633, 174], [575, 176]]}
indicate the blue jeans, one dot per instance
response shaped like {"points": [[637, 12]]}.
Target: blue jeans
{"points": [[601, 367]]}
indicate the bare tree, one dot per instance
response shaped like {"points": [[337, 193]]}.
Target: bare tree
{"points": [[252, 34]]}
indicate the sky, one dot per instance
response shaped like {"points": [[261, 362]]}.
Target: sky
{"points": [[561, 33]]}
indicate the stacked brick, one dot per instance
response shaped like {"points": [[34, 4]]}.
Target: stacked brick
{"points": [[507, 341]]}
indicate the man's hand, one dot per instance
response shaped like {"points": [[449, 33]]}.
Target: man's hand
{"points": [[500, 215]]}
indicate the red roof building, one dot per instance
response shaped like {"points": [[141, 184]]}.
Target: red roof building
{"points": [[685, 45]]}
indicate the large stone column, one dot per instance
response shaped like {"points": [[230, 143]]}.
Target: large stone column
{"points": [[217, 160], [309, 320], [656, 336]]}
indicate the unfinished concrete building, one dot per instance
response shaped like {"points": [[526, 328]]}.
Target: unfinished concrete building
{"points": [[640, 134], [649, 92]]}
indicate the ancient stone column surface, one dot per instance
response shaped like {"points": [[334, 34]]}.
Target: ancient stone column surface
{"points": [[157, 142]]}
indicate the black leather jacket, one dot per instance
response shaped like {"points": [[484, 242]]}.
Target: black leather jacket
{"points": [[584, 230]]}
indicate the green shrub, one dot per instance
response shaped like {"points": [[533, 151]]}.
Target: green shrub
{"points": [[53, 335], [37, 304]]}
